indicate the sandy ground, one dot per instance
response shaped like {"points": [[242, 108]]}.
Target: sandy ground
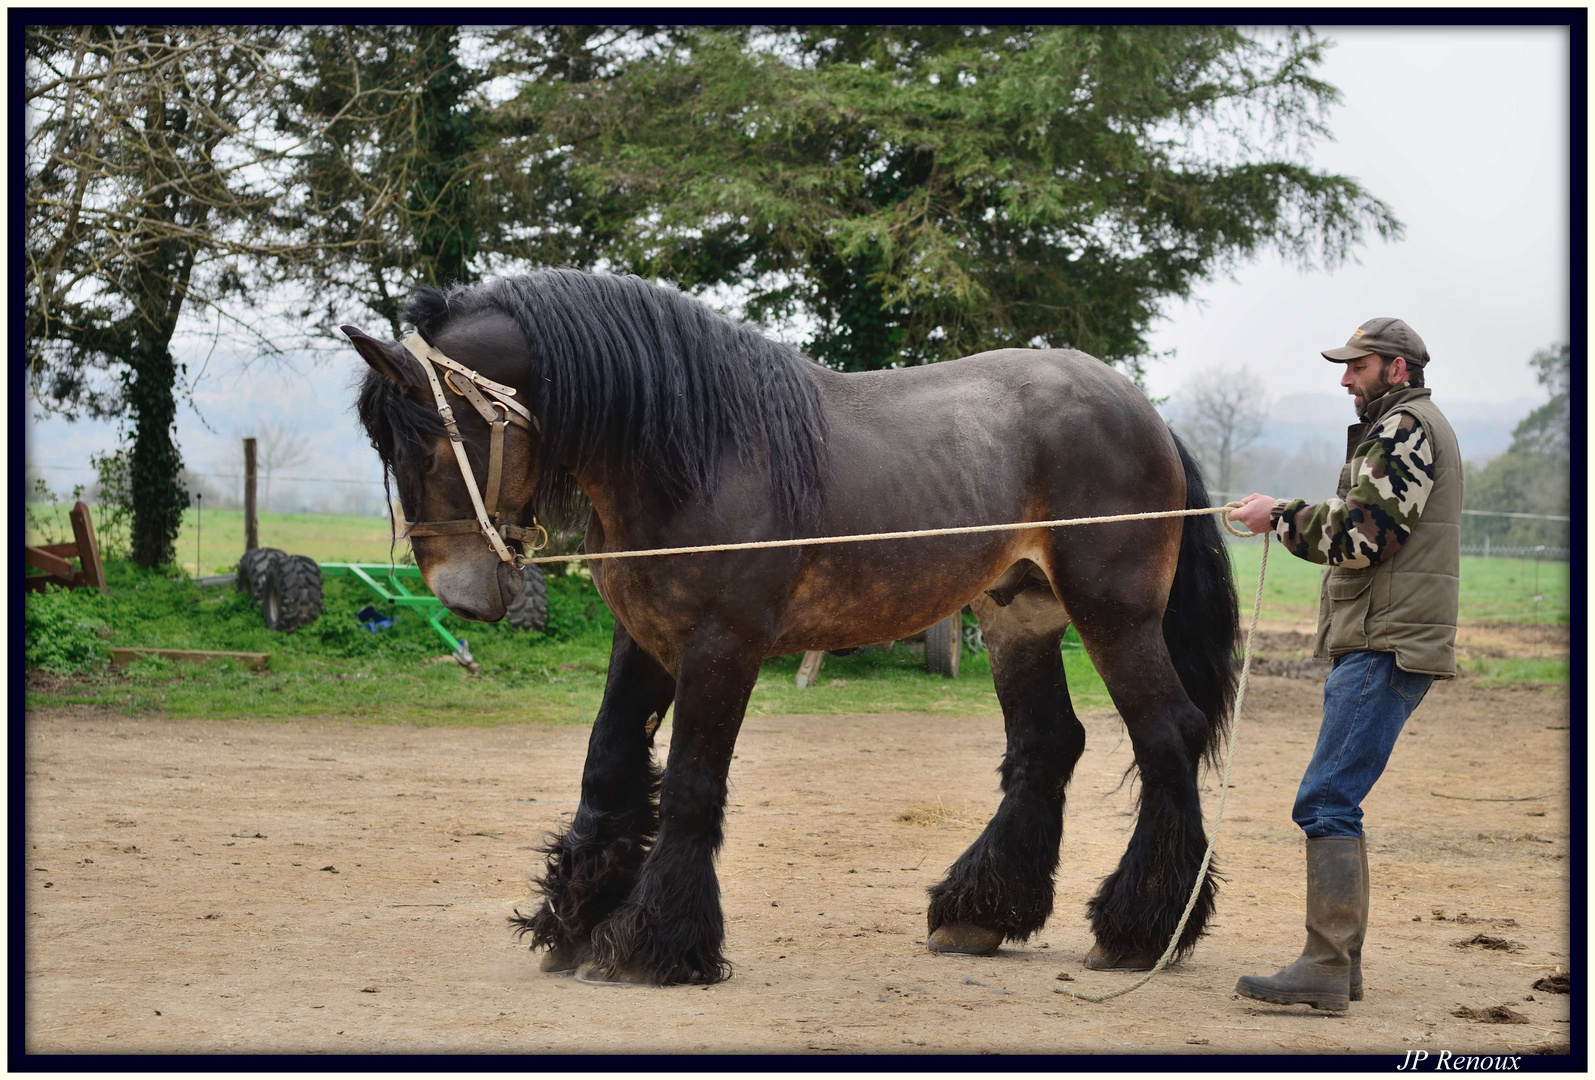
{"points": [[323, 886]]}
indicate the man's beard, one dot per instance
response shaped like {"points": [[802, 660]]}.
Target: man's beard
{"points": [[1378, 390]]}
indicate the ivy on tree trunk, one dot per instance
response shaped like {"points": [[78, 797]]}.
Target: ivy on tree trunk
{"points": [[157, 494]]}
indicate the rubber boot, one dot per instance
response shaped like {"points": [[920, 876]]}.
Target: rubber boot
{"points": [[1362, 924], [1321, 976]]}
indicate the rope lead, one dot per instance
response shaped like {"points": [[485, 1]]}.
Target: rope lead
{"points": [[909, 534]]}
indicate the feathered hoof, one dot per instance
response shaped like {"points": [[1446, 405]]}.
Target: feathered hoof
{"points": [[964, 939], [560, 960], [1099, 959], [594, 974]]}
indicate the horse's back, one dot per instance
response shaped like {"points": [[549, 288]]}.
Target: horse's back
{"points": [[1018, 424]]}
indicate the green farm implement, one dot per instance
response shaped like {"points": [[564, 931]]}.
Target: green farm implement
{"points": [[388, 583], [288, 590]]}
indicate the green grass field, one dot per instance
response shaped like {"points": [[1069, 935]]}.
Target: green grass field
{"points": [[1493, 589], [334, 667], [217, 538], [323, 537]]}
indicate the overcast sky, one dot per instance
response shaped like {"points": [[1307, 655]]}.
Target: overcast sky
{"points": [[1464, 133]]}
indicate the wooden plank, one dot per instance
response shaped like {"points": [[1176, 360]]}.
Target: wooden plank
{"points": [[53, 565], [809, 670], [66, 551], [258, 661], [88, 549]]}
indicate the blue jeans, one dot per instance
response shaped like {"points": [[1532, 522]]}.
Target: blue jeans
{"points": [[1367, 700]]}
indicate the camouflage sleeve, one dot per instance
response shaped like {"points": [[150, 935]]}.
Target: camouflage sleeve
{"points": [[1393, 478]]}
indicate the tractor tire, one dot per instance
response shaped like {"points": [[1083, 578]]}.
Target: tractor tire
{"points": [[529, 610], [293, 594], [944, 646], [253, 569]]}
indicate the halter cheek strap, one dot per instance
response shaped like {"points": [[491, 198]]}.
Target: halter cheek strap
{"points": [[499, 413]]}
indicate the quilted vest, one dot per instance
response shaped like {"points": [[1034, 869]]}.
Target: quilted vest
{"points": [[1407, 604]]}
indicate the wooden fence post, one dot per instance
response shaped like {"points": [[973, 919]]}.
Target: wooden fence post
{"points": [[808, 672], [251, 525], [88, 549]]}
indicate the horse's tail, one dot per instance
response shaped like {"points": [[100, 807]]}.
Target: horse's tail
{"points": [[1202, 618]]}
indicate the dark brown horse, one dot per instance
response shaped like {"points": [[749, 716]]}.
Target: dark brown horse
{"points": [[680, 428]]}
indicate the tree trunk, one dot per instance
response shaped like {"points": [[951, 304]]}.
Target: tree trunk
{"points": [[159, 497], [159, 284]]}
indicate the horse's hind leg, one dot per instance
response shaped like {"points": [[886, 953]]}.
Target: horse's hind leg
{"points": [[592, 867], [1118, 608], [1001, 888]]}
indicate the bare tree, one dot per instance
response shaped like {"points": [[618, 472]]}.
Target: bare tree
{"points": [[152, 174], [1221, 413], [278, 447]]}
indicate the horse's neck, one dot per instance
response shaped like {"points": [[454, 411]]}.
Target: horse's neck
{"points": [[636, 513], [620, 509]]}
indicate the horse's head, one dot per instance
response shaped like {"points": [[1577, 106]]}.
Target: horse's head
{"points": [[398, 406]]}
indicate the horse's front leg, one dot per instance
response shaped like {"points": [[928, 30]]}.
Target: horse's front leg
{"points": [[591, 867], [670, 930]]}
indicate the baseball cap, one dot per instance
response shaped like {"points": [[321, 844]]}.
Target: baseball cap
{"points": [[1385, 336]]}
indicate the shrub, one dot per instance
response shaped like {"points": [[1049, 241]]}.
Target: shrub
{"points": [[64, 631]]}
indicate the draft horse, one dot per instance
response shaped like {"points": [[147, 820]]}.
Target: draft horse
{"points": [[672, 426]]}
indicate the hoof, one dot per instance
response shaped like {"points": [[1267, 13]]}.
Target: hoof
{"points": [[1099, 960], [560, 960], [964, 939], [593, 975]]}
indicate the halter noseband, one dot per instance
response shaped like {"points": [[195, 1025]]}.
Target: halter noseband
{"points": [[499, 413]]}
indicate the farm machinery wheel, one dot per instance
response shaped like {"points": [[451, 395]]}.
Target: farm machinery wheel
{"points": [[529, 610], [292, 596], [944, 646], [253, 569]]}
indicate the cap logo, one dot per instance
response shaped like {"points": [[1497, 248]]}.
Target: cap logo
{"points": [[1357, 333]]}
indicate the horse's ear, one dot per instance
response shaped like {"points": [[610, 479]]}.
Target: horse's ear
{"points": [[386, 359]]}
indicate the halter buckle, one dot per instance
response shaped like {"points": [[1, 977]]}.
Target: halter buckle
{"points": [[521, 559]]}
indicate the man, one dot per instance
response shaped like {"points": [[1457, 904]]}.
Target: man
{"points": [[1387, 615]]}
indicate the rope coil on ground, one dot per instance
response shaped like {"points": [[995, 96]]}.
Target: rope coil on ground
{"points": [[1240, 692]]}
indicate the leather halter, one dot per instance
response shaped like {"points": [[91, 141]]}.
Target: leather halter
{"points": [[502, 411]]}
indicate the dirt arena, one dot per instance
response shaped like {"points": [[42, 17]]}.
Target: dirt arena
{"points": [[322, 886]]}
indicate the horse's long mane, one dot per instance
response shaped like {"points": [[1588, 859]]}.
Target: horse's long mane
{"points": [[641, 376]]}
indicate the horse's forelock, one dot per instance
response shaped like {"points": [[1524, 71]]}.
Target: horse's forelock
{"points": [[393, 422]]}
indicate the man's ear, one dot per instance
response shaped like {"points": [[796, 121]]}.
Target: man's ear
{"points": [[1398, 370], [390, 361]]}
